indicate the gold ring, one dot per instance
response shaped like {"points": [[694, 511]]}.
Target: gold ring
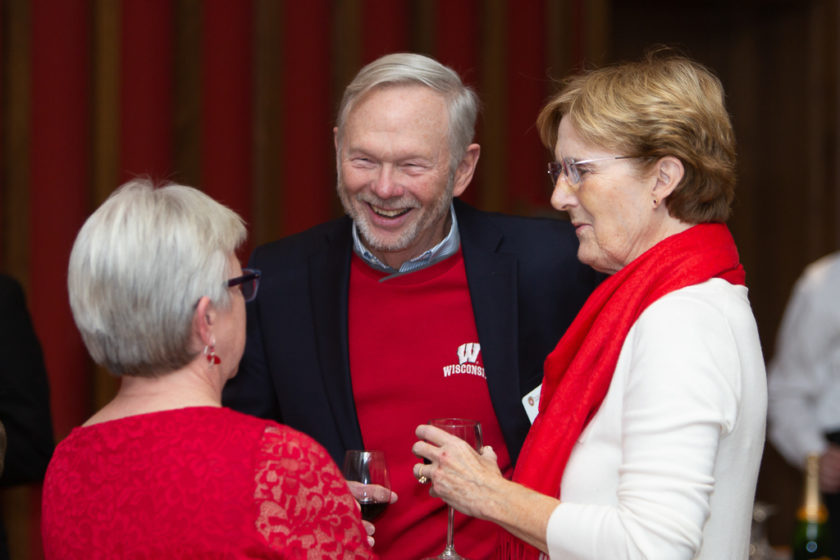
{"points": [[422, 478]]}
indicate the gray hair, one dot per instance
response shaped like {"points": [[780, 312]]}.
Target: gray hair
{"points": [[415, 69], [138, 267]]}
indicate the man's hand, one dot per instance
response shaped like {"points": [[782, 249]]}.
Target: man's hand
{"points": [[370, 492]]}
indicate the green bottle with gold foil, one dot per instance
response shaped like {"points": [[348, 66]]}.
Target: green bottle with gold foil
{"points": [[812, 538]]}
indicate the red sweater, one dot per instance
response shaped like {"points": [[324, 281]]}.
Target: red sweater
{"points": [[414, 356]]}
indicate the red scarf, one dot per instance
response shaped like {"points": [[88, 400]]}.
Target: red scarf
{"points": [[579, 370]]}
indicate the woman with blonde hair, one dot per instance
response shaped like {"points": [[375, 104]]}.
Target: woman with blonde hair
{"points": [[651, 420]]}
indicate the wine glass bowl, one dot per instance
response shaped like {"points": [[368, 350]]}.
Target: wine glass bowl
{"points": [[366, 473], [469, 431]]}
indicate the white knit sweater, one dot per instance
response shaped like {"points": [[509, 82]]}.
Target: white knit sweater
{"points": [[668, 466]]}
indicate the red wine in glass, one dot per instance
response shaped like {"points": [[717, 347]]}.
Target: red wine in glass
{"points": [[367, 476], [371, 511]]}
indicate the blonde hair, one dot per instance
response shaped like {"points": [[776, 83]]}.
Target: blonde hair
{"points": [[663, 105]]}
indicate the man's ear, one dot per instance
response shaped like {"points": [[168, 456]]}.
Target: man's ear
{"points": [[669, 173], [466, 169]]}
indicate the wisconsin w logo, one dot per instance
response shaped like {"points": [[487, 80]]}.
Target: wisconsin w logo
{"points": [[468, 352], [467, 358]]}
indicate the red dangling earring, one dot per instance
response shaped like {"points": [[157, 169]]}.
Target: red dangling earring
{"points": [[210, 354]]}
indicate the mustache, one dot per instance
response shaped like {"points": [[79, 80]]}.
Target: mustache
{"points": [[400, 203]]}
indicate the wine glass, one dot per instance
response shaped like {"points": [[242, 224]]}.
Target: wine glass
{"points": [[366, 474], [469, 431]]}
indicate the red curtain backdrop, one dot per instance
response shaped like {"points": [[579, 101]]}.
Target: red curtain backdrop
{"points": [[307, 169], [227, 91], [59, 171], [146, 89]]}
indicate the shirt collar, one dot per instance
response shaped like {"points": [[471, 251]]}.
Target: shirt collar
{"points": [[446, 248]]}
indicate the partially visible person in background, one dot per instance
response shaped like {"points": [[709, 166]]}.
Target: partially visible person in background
{"points": [[804, 379], [24, 396], [651, 419], [163, 470]]}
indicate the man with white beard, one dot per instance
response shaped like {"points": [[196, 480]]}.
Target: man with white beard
{"points": [[414, 305]]}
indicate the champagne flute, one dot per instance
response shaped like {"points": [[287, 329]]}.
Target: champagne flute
{"points": [[469, 431], [366, 474]]}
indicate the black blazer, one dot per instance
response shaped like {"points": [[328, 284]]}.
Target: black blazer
{"points": [[525, 283], [24, 391]]}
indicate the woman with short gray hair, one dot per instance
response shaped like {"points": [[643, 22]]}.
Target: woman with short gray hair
{"points": [[159, 298]]}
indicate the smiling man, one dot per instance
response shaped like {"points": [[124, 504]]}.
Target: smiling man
{"points": [[413, 306], [396, 175]]}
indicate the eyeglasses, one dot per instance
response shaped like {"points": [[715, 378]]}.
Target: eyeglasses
{"points": [[569, 168], [249, 283]]}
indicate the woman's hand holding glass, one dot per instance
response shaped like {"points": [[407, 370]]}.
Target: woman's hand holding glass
{"points": [[472, 483], [458, 473]]}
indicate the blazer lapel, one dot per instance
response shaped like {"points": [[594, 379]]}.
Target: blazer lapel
{"points": [[492, 279], [329, 273]]}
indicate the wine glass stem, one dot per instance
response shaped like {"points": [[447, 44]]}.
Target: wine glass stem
{"points": [[450, 532]]}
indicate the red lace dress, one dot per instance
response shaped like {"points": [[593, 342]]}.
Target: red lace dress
{"points": [[197, 482]]}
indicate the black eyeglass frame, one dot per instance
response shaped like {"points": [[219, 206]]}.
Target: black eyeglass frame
{"points": [[249, 275]]}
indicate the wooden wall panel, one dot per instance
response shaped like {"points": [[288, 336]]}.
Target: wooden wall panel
{"points": [[105, 98], [267, 136], [105, 134], [15, 122], [492, 169], [2, 115], [186, 65], [19, 504]]}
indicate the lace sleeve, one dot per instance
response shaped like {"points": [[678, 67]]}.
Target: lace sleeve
{"points": [[304, 506]]}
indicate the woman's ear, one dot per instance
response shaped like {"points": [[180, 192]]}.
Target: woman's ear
{"points": [[669, 173], [204, 318]]}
